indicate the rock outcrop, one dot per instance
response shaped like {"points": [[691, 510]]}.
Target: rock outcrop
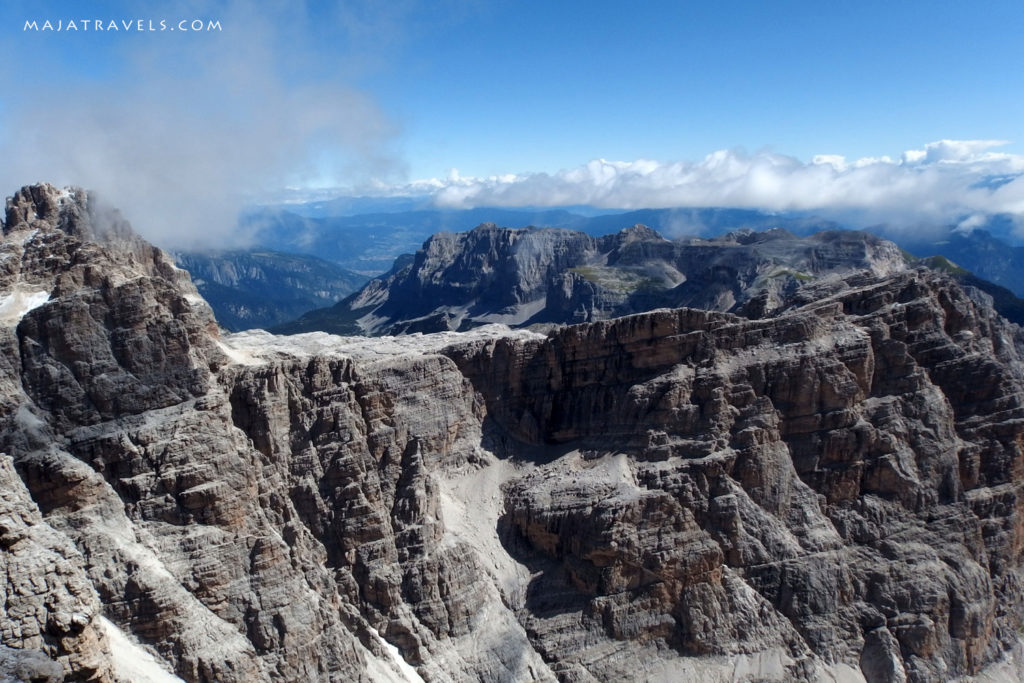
{"points": [[844, 459], [826, 489]]}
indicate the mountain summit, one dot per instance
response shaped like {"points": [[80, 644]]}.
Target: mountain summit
{"points": [[830, 491]]}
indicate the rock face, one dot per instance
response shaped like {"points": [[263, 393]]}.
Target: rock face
{"points": [[526, 276], [843, 460], [51, 610], [827, 489]]}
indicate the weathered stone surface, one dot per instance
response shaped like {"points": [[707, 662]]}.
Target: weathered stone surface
{"points": [[830, 489], [835, 457], [47, 627]]}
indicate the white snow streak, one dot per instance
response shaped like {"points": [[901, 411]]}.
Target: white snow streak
{"points": [[407, 674], [14, 305], [131, 662]]}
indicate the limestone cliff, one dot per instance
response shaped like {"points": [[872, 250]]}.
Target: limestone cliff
{"points": [[830, 491]]}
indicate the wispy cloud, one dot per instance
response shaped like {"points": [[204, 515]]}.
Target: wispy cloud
{"points": [[944, 181], [189, 128]]}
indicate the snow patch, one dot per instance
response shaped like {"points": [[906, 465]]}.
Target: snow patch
{"points": [[18, 302], [131, 662], [402, 671]]}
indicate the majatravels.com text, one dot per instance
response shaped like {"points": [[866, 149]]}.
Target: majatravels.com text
{"points": [[122, 25]]}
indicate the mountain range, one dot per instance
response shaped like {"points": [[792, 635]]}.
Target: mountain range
{"points": [[366, 245], [522, 277], [981, 253], [828, 490], [369, 242]]}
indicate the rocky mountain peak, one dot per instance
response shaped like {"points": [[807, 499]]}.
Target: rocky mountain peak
{"points": [[47, 226], [634, 233], [486, 227], [34, 203], [142, 334], [71, 210], [639, 232]]}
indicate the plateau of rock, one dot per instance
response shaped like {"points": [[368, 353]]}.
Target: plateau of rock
{"points": [[825, 488]]}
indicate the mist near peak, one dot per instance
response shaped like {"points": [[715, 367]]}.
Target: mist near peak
{"points": [[193, 127]]}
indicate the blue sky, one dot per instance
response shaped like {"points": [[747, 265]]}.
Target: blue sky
{"points": [[570, 82], [773, 105]]}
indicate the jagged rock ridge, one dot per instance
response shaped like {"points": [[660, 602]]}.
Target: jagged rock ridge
{"points": [[831, 491], [526, 276]]}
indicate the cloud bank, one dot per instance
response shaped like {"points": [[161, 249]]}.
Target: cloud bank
{"points": [[945, 181]]}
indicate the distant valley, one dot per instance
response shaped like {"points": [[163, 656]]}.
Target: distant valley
{"points": [[260, 288]]}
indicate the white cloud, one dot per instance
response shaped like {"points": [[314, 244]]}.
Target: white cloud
{"points": [[190, 128], [943, 182], [836, 161], [973, 221], [956, 151]]}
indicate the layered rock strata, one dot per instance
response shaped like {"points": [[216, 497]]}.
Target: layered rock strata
{"points": [[832, 491]]}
